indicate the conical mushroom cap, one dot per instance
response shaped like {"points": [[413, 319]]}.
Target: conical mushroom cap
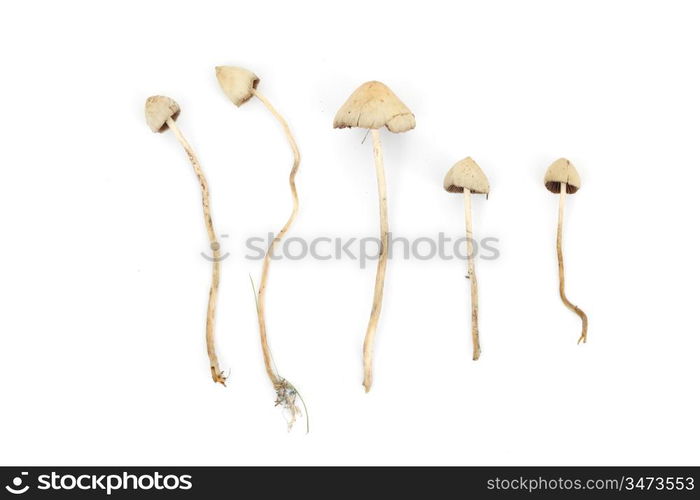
{"points": [[158, 109], [562, 171], [237, 83], [374, 105], [466, 174]]}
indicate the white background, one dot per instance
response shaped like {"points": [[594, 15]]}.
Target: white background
{"points": [[103, 289]]}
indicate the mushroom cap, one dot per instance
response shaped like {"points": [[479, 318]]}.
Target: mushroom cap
{"points": [[560, 171], [374, 105], [237, 83], [158, 109], [466, 174]]}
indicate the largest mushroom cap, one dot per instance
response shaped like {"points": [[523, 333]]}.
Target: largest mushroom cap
{"points": [[560, 171], [237, 83], [466, 174], [374, 105], [158, 109]]}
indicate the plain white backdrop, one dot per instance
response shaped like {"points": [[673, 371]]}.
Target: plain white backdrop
{"points": [[103, 289]]}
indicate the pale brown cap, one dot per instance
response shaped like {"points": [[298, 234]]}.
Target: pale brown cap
{"points": [[560, 171], [466, 174], [237, 83], [374, 105], [158, 109]]}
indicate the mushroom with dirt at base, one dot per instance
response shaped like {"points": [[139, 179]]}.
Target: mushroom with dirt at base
{"points": [[161, 113], [466, 177], [240, 85], [373, 106], [562, 179]]}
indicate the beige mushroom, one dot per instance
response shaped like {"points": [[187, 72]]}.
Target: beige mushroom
{"points": [[562, 178], [373, 106], [161, 113], [466, 177], [240, 85]]}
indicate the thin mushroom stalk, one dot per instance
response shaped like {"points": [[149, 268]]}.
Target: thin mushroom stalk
{"points": [[286, 394], [373, 106], [472, 275], [562, 178], [467, 177], [560, 259], [161, 113], [240, 85], [368, 346]]}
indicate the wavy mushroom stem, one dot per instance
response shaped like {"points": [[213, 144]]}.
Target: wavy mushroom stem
{"points": [[216, 373], [472, 274], [381, 263], [280, 384], [560, 257]]}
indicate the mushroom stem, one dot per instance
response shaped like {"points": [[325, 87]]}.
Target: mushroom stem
{"points": [[276, 380], [560, 257], [216, 373], [381, 263], [472, 274]]}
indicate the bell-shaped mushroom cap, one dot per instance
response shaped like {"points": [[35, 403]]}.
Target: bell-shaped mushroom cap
{"points": [[562, 171], [466, 174], [158, 109], [237, 83], [374, 105]]}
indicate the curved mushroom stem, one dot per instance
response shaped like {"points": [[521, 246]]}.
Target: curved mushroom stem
{"points": [[472, 275], [381, 263], [286, 393], [216, 373], [560, 257]]}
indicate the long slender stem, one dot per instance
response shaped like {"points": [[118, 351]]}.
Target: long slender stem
{"points": [[216, 373], [560, 258], [267, 354], [381, 263], [472, 274]]}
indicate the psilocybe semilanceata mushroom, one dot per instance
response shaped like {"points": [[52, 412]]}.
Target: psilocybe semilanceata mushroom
{"points": [[466, 177], [562, 178], [240, 85], [373, 106], [161, 113]]}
